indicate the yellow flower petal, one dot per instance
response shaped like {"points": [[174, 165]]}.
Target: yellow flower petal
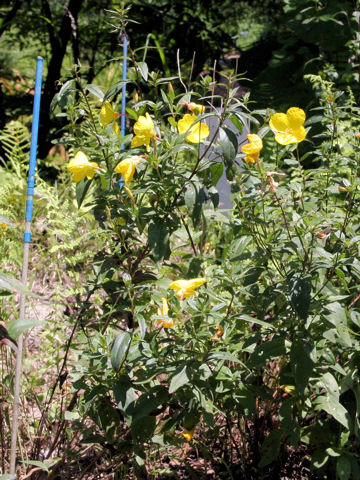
{"points": [[197, 132], [196, 108], [127, 167], [164, 310], [116, 128], [186, 288], [107, 114], [295, 136], [279, 122], [296, 117], [80, 167]]}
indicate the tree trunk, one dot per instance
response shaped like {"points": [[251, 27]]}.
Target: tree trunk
{"points": [[58, 41]]}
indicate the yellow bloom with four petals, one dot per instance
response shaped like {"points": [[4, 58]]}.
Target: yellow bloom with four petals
{"points": [[80, 167], [252, 148], [288, 127], [164, 311], [144, 131], [196, 132], [108, 115], [186, 288], [127, 167]]}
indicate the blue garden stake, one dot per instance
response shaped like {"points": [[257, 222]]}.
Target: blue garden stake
{"points": [[123, 97], [27, 239], [123, 89]]}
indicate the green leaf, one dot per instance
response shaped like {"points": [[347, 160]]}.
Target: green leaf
{"points": [[159, 240], [125, 396], [11, 284], [68, 415], [115, 89], [179, 380], [300, 292], [271, 447], [143, 69], [331, 385], [301, 364], [37, 463], [95, 90], [194, 198], [224, 356], [266, 351], [143, 429], [228, 144], [61, 97], [334, 408], [338, 318], [216, 170], [119, 349], [20, 326], [81, 190], [343, 468], [319, 458], [148, 402]]}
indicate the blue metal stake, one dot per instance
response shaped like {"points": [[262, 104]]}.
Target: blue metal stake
{"points": [[27, 239], [123, 89], [123, 98]]}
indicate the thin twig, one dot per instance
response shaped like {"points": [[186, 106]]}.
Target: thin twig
{"points": [[187, 231], [192, 68], [179, 70]]}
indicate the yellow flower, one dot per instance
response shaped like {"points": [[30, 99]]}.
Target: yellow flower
{"points": [[197, 132], [3, 227], [188, 434], [80, 167], [164, 310], [288, 127], [195, 108], [144, 131], [186, 288], [252, 148], [107, 115], [127, 167]]}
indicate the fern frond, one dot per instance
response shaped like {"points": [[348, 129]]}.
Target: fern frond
{"points": [[15, 141]]}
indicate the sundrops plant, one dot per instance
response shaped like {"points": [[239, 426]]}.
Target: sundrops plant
{"points": [[243, 324]]}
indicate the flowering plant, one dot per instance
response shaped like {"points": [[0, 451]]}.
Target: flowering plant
{"points": [[222, 316]]}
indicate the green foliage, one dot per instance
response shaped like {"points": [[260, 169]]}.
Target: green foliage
{"points": [[272, 337]]}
